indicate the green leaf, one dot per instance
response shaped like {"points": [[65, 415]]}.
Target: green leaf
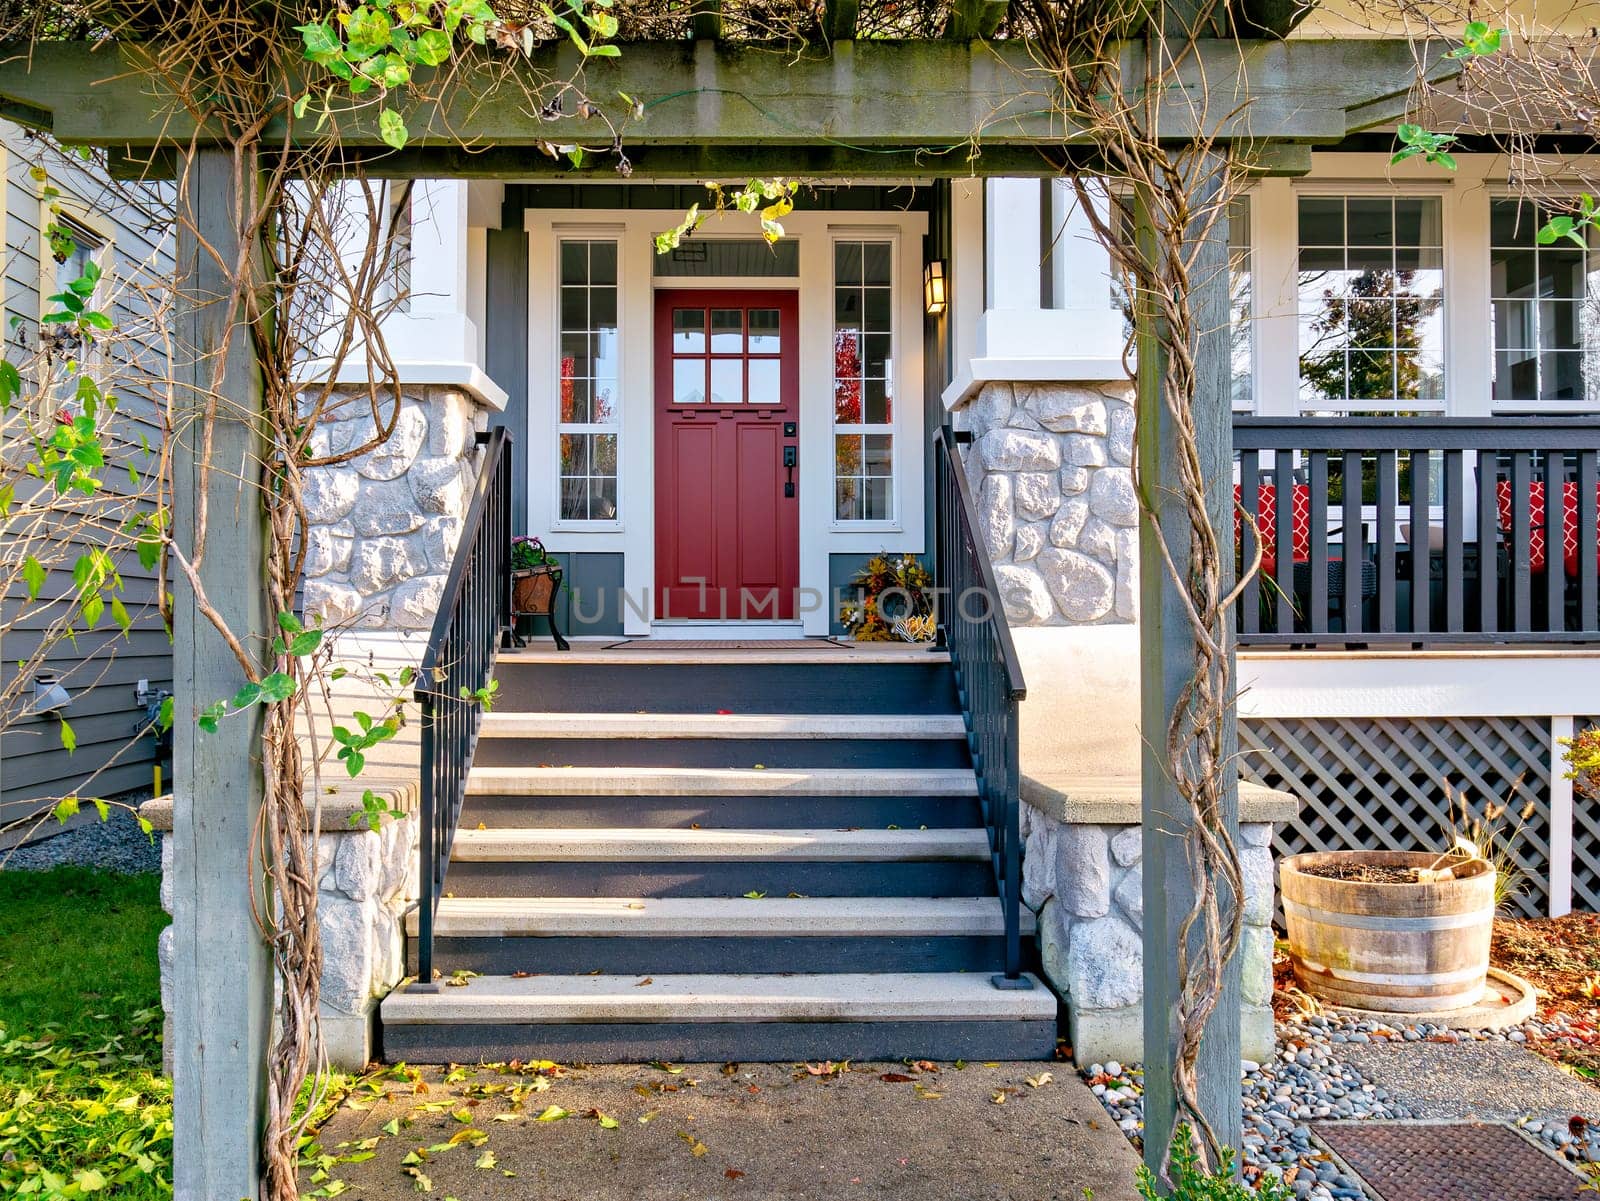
{"points": [[66, 809], [210, 716], [246, 696], [301, 105], [69, 736], [10, 384], [119, 614], [305, 643], [608, 50], [432, 47], [279, 686], [33, 574], [164, 718], [288, 622], [392, 129], [318, 40]]}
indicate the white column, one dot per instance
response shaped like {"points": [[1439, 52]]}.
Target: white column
{"points": [[1560, 820], [1468, 337], [1011, 239], [1275, 254], [968, 274], [436, 329], [1081, 274]]}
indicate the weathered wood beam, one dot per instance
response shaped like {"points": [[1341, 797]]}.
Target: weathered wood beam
{"points": [[839, 19], [705, 23], [973, 20], [937, 94], [1168, 664], [222, 981]]}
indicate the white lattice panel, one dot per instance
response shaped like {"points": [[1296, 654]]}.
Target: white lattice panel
{"points": [[1381, 784], [1586, 843]]}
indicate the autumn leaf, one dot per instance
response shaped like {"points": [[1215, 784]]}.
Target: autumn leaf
{"points": [[895, 1078], [734, 1174], [696, 1147], [552, 1113], [1039, 1081]]}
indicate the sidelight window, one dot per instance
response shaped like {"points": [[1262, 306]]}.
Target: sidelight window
{"points": [[863, 381], [590, 403]]}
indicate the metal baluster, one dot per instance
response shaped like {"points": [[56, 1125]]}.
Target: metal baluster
{"points": [[1421, 544], [1522, 542], [1488, 542], [1388, 502], [1455, 582], [1355, 546], [1318, 488], [1555, 546]]}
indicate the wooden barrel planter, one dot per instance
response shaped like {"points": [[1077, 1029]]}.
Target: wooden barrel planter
{"points": [[1400, 947]]}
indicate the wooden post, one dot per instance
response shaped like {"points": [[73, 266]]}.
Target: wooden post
{"points": [[1167, 662], [222, 983]]}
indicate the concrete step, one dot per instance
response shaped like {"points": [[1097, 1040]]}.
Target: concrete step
{"points": [[589, 810], [576, 934], [636, 844], [707, 782], [842, 997], [718, 917], [648, 862], [749, 1018], [777, 726], [827, 681]]}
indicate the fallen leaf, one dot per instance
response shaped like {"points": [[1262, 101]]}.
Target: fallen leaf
{"points": [[662, 1066], [734, 1174], [754, 896], [926, 1065], [696, 1147], [552, 1113], [998, 1097], [606, 1121], [646, 1118], [1039, 1081], [895, 1078], [728, 1069], [485, 1161], [646, 980]]}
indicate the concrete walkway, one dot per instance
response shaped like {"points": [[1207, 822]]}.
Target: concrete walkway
{"points": [[763, 1131], [1489, 1081]]}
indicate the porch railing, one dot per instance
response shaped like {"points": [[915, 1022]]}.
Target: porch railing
{"points": [[474, 617], [972, 627], [1418, 530]]}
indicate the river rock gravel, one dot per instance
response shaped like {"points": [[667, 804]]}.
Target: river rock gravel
{"points": [[1308, 1080]]}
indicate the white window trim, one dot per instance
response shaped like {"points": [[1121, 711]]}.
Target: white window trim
{"points": [[895, 524], [580, 233], [1522, 408], [634, 534], [1338, 190]]}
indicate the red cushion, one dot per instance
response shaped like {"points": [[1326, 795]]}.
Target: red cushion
{"points": [[1536, 530], [1267, 522]]}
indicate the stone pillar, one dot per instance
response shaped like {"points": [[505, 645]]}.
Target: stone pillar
{"points": [[382, 528], [366, 880], [1083, 876]]}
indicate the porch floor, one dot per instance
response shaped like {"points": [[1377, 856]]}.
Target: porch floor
{"points": [[756, 1131]]}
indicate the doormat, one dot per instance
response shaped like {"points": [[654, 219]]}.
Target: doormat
{"points": [[724, 644], [1449, 1161]]}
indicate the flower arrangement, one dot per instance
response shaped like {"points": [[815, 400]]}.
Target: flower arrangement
{"points": [[529, 554], [891, 599]]}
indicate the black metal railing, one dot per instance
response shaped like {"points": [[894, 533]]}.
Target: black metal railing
{"points": [[1418, 530], [474, 620], [972, 627]]}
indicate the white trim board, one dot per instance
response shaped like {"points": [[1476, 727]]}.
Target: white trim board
{"points": [[1421, 684], [633, 534]]}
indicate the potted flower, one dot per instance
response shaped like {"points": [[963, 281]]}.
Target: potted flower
{"points": [[535, 581], [892, 601]]}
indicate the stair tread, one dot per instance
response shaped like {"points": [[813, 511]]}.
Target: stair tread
{"points": [[858, 996], [722, 725], [624, 844], [711, 917], [721, 781]]}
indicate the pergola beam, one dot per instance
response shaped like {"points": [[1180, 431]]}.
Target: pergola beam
{"points": [[839, 18], [878, 95], [973, 20]]}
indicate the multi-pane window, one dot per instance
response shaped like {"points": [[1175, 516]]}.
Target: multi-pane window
{"points": [[1241, 298], [726, 356], [589, 396], [1545, 327], [863, 380], [1371, 303]]}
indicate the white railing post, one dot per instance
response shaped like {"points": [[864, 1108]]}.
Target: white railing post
{"points": [[1560, 820]]}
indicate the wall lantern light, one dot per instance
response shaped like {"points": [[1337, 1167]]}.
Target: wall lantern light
{"points": [[933, 287]]}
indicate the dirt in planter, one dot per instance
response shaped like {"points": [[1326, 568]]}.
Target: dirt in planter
{"points": [[1362, 873]]}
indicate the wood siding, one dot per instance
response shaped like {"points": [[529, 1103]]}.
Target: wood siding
{"points": [[103, 670]]}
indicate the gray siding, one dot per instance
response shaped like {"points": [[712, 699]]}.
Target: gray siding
{"points": [[102, 670]]}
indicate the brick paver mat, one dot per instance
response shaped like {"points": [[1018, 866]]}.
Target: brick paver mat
{"points": [[1449, 1161]]}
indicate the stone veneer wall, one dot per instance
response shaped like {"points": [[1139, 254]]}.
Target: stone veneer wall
{"points": [[383, 527], [1050, 466], [366, 879], [1086, 884]]}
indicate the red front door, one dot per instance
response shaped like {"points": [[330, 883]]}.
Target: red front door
{"points": [[727, 469]]}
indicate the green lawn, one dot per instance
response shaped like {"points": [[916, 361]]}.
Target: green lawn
{"points": [[84, 1110]]}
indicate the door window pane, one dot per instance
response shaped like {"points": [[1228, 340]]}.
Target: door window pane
{"points": [[765, 333], [727, 381], [727, 331], [688, 381], [765, 382]]}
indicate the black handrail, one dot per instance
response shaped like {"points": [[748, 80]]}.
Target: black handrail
{"points": [[972, 627], [1369, 537], [474, 620]]}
